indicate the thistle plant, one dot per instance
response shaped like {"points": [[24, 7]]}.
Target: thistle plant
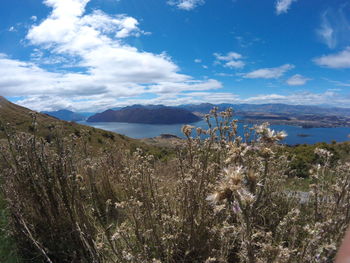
{"points": [[222, 198]]}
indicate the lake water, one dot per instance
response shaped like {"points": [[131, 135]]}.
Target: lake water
{"points": [[137, 131]]}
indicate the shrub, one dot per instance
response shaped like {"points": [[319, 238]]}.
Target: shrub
{"points": [[46, 200]]}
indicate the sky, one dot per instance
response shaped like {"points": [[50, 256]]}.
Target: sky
{"points": [[91, 55]]}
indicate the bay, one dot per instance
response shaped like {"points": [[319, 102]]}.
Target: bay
{"points": [[296, 135]]}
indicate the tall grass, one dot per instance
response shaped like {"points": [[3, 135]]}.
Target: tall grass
{"points": [[221, 199]]}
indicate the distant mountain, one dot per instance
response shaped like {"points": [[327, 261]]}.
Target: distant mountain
{"points": [[270, 108], [86, 115], [201, 108], [149, 107], [150, 114], [65, 115], [293, 109]]}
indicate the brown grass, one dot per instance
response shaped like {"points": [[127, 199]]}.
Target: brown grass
{"points": [[221, 199]]}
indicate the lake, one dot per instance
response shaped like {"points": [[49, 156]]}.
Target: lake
{"points": [[309, 135]]}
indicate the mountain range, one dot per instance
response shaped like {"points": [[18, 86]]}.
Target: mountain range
{"points": [[151, 114], [242, 109], [65, 115], [160, 114]]}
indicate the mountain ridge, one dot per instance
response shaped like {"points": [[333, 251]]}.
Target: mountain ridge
{"points": [[65, 115], [151, 114], [278, 108]]}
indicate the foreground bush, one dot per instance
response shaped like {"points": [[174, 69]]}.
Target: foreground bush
{"points": [[222, 199]]}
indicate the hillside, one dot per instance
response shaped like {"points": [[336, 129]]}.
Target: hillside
{"points": [[147, 115], [20, 119]]}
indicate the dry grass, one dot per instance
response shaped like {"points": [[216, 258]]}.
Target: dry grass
{"points": [[221, 199]]}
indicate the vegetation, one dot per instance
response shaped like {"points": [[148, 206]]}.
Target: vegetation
{"points": [[302, 157], [219, 199]]}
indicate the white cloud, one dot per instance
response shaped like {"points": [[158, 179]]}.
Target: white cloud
{"points": [[247, 40], [12, 29], [221, 74], [228, 57], [282, 6], [337, 60], [96, 91], [49, 103], [297, 80], [101, 102], [34, 18], [186, 4], [269, 98], [215, 98], [25, 78], [197, 60], [234, 64], [338, 83], [170, 87], [328, 97], [326, 32], [188, 98], [109, 69], [335, 27], [230, 60], [269, 73]]}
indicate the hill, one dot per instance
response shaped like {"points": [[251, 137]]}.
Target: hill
{"points": [[152, 114], [21, 120]]}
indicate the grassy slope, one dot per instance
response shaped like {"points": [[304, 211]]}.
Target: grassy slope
{"points": [[20, 119]]}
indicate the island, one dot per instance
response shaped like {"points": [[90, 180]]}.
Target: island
{"points": [[154, 114]]}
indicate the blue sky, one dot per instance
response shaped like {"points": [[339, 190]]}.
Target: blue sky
{"points": [[90, 55]]}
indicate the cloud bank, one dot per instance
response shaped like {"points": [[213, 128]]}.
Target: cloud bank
{"points": [[101, 64]]}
